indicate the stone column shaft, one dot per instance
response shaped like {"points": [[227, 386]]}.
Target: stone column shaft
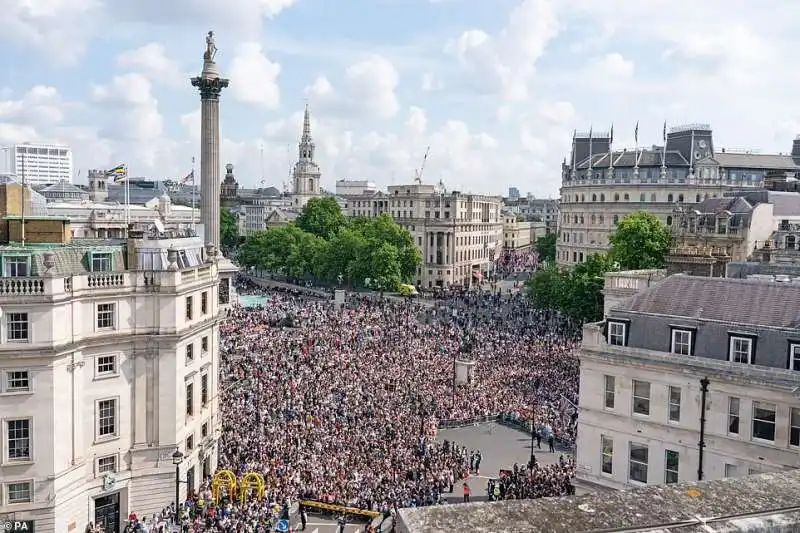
{"points": [[209, 171]]}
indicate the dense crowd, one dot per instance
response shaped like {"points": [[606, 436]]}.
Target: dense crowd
{"points": [[517, 261], [343, 405]]}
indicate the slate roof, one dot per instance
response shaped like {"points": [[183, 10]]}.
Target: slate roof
{"points": [[63, 186], [626, 159], [732, 301], [70, 259], [760, 161]]}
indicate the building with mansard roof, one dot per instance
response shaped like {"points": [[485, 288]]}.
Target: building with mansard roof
{"points": [[601, 185]]}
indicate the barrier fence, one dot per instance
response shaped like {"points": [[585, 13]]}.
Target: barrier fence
{"points": [[338, 509]]}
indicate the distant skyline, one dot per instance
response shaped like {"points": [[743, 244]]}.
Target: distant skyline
{"points": [[494, 88]]}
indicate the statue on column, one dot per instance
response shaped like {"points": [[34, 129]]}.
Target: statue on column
{"points": [[211, 47]]}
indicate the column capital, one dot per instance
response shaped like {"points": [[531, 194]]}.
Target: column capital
{"points": [[210, 88]]}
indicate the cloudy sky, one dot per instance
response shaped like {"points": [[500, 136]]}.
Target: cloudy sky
{"points": [[495, 88]]}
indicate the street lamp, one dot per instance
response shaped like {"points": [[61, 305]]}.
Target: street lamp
{"points": [[533, 417], [177, 459]]}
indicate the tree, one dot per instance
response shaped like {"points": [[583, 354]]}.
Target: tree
{"points": [[382, 229], [577, 293], [321, 217], [546, 247], [228, 227], [641, 241]]}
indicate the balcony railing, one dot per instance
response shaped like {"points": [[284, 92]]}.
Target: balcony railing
{"points": [[773, 245], [103, 283]]}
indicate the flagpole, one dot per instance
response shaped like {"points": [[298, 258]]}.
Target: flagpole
{"points": [[127, 202], [194, 194]]}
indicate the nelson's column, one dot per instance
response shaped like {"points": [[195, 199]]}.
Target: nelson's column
{"points": [[210, 85]]}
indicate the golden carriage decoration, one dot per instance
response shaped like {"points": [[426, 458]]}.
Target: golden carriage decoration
{"points": [[251, 484]]}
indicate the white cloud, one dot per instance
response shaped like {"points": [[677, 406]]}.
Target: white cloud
{"points": [[431, 82], [255, 77], [504, 63], [366, 90], [152, 61], [612, 67]]}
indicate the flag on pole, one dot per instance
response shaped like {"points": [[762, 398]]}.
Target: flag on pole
{"points": [[189, 178], [636, 133], [664, 135], [118, 174]]}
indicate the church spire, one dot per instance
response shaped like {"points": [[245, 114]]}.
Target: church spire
{"points": [[306, 146]]}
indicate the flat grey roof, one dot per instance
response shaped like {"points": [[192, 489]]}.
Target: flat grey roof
{"points": [[765, 502]]}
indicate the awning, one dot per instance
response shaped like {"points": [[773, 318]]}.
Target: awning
{"points": [[477, 274]]}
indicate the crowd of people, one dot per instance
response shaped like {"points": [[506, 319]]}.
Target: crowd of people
{"points": [[343, 405], [513, 262]]}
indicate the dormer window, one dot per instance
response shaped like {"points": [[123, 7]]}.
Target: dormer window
{"points": [[100, 262], [722, 225], [16, 266]]}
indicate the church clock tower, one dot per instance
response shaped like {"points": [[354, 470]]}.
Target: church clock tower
{"points": [[306, 174]]}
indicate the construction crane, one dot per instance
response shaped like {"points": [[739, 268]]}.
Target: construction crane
{"points": [[418, 172]]}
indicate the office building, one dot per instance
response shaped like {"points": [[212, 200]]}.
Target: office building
{"points": [[459, 235], [601, 185], [513, 193], [40, 164], [692, 378]]}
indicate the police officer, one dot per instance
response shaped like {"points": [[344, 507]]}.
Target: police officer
{"points": [[342, 523], [303, 518]]}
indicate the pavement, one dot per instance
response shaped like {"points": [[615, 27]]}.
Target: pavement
{"points": [[501, 446]]}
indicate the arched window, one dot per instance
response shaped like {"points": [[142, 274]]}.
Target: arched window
{"points": [[697, 199], [574, 219], [616, 219], [670, 198], [583, 198], [641, 197], [602, 197], [576, 198], [626, 197], [791, 242], [594, 218], [616, 197], [653, 197], [680, 198], [669, 220], [594, 197], [311, 184]]}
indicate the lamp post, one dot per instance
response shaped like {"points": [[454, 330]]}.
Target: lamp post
{"points": [[177, 459], [533, 417]]}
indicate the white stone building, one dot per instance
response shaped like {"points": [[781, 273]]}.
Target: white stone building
{"points": [[459, 235], [108, 363], [40, 164], [355, 187], [600, 185], [692, 378]]}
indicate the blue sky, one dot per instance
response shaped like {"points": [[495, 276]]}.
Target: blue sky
{"points": [[494, 88]]}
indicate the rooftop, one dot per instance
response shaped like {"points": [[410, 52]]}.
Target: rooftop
{"points": [[732, 301], [766, 502]]}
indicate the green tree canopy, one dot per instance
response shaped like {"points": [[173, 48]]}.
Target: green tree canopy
{"points": [[228, 227], [321, 217], [641, 241], [546, 247], [577, 292]]}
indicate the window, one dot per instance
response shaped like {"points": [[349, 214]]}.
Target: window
{"points": [[637, 470], [107, 464], [733, 415], [189, 307], [674, 404], [616, 333], [610, 391], [19, 492], [16, 266], [607, 446], [189, 353], [18, 329], [671, 462], [681, 342], [641, 197], [190, 399], [17, 381], [18, 439], [740, 350], [105, 316], [730, 470], [204, 345], [616, 219], [204, 303], [107, 418], [670, 198], [794, 357], [190, 443], [204, 430], [203, 390], [101, 262], [641, 397], [764, 421], [106, 365], [794, 427]]}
